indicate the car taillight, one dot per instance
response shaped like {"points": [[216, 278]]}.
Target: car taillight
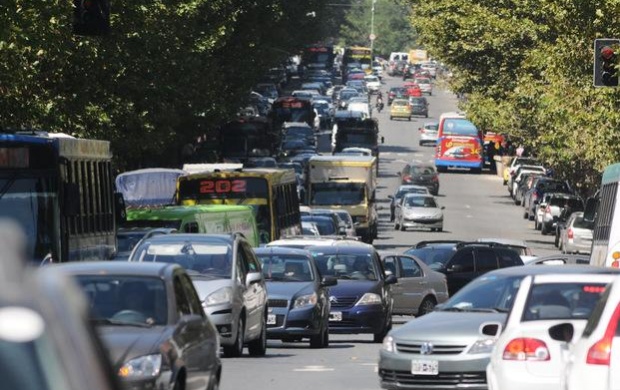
{"points": [[569, 233], [600, 352], [526, 349], [407, 178]]}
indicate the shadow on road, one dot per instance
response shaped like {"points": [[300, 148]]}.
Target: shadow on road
{"points": [[395, 149], [306, 345]]}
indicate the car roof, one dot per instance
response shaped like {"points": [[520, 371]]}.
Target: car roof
{"points": [[129, 268], [343, 249], [436, 243], [553, 269], [414, 195], [504, 241], [281, 250], [194, 237]]}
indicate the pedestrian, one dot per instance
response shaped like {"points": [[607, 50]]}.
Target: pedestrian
{"points": [[520, 150]]}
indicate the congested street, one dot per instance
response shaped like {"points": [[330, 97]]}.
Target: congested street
{"points": [[477, 206]]}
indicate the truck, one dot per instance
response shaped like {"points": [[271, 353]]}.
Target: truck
{"points": [[418, 56], [357, 133], [349, 183]]}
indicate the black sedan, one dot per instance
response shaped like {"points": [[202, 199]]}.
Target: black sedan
{"points": [[298, 296], [152, 323]]}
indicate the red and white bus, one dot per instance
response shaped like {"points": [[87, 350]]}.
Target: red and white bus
{"points": [[459, 143]]}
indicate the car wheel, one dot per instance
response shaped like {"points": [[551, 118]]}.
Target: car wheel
{"points": [[396, 225], [215, 382], [320, 340], [525, 215], [391, 117], [402, 228], [258, 347], [236, 349], [425, 115], [531, 216], [378, 337], [440, 230], [178, 385], [409, 119], [544, 230], [427, 306]]}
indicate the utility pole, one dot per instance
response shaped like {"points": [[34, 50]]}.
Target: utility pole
{"points": [[372, 31]]}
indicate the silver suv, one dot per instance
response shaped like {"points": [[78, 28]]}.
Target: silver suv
{"points": [[228, 278]]}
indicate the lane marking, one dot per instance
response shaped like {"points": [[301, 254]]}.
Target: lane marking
{"points": [[313, 369]]}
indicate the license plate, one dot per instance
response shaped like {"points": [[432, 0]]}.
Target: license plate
{"points": [[271, 319], [425, 367], [335, 316]]}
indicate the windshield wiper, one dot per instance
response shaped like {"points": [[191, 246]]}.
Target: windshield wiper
{"points": [[109, 321]]}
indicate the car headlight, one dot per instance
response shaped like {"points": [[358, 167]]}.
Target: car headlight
{"points": [[143, 367], [369, 299], [305, 300], [482, 346], [218, 297], [388, 344]]}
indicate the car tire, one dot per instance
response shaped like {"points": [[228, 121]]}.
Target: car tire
{"points": [[236, 350], [544, 229], [531, 216], [536, 224], [440, 230], [178, 385], [427, 306], [402, 228], [396, 226], [320, 340], [409, 119], [525, 215], [258, 347], [391, 118], [378, 337], [215, 382], [425, 115]]}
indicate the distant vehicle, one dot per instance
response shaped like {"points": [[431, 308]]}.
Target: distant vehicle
{"points": [[343, 218], [305, 242], [418, 289], [425, 84], [526, 354], [540, 187], [372, 83], [359, 55], [593, 352], [228, 278], [299, 131], [318, 56], [554, 208], [355, 151], [291, 109], [431, 350], [519, 246], [49, 182], [516, 178], [576, 235], [459, 144], [396, 93], [419, 106], [418, 211], [420, 174], [128, 238], [402, 191], [140, 310], [362, 300], [248, 137], [400, 108], [268, 90], [434, 253], [299, 304], [428, 133], [326, 225]]}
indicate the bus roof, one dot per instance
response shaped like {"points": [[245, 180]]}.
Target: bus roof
{"points": [[67, 146], [611, 174], [177, 212], [281, 175], [148, 187], [349, 159]]}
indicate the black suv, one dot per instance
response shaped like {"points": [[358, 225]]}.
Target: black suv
{"points": [[472, 259]]}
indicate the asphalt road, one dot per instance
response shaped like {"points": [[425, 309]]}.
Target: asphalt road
{"points": [[477, 206]]}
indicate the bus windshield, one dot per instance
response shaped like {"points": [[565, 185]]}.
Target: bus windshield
{"points": [[31, 202], [337, 194], [456, 126]]}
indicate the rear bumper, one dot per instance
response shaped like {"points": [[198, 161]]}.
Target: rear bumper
{"points": [[459, 164], [359, 319]]}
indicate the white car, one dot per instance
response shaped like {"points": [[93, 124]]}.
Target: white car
{"points": [[525, 356], [426, 86], [593, 358], [418, 211], [428, 133], [363, 107], [372, 83], [517, 162], [516, 180]]}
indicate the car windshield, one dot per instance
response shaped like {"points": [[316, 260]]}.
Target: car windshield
{"points": [[420, 201], [421, 170], [574, 204], [402, 192], [486, 293], [125, 300], [127, 241], [562, 301], [214, 260], [432, 127], [337, 194], [346, 266], [325, 225], [458, 126], [581, 224], [346, 217], [286, 268], [434, 256]]}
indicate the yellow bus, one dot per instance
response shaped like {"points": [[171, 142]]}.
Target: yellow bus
{"points": [[358, 54], [271, 192]]}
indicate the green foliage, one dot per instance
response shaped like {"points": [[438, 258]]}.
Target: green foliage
{"points": [[392, 26], [526, 67], [169, 70]]}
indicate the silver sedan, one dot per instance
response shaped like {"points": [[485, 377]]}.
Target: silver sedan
{"points": [[419, 211], [418, 289]]}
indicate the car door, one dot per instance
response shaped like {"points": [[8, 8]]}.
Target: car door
{"points": [[413, 282], [392, 266], [486, 260], [460, 269], [255, 294]]}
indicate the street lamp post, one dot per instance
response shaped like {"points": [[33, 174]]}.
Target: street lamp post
{"points": [[372, 30]]}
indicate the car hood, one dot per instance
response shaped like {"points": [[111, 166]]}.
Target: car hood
{"points": [[422, 212], [288, 290], [128, 342], [207, 286], [354, 287], [449, 326]]}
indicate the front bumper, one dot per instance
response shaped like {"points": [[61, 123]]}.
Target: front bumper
{"points": [[222, 318], [460, 371], [162, 382], [459, 163], [304, 321], [359, 319], [423, 223]]}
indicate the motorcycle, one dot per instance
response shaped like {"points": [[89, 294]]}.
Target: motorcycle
{"points": [[379, 105]]}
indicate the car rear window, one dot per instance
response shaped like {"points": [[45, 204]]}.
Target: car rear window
{"points": [[434, 256], [562, 301], [575, 204], [580, 223]]}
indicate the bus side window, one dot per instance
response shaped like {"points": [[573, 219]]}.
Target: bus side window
{"points": [[191, 227]]}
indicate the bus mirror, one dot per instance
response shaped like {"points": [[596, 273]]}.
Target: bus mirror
{"points": [[71, 199], [119, 209], [589, 214]]}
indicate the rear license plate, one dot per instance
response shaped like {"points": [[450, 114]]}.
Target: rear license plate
{"points": [[335, 316], [425, 367], [271, 319]]}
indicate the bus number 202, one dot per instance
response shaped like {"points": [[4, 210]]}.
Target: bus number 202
{"points": [[222, 186]]}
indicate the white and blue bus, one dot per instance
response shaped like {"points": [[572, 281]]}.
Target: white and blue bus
{"points": [[603, 209], [60, 190]]}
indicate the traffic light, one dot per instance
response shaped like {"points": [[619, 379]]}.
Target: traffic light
{"points": [[91, 17], [606, 56]]}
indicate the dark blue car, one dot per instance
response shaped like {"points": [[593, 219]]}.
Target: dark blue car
{"points": [[298, 296], [362, 300]]}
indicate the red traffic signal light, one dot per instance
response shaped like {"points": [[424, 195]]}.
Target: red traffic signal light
{"points": [[606, 64], [607, 53]]}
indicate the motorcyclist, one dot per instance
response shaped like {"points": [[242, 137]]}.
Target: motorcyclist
{"points": [[379, 102]]}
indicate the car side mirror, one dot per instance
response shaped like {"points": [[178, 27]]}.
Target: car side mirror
{"points": [[454, 268], [391, 279], [252, 278], [492, 329], [562, 332], [328, 281]]}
